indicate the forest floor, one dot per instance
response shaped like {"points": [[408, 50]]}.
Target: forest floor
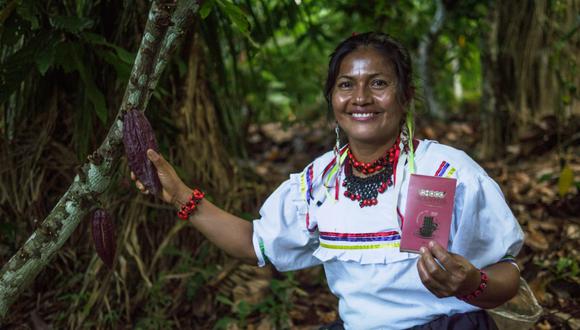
{"points": [[530, 175]]}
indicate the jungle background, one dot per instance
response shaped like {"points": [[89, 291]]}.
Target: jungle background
{"points": [[238, 108]]}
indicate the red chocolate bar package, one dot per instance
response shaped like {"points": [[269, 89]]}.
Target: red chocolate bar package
{"points": [[428, 213]]}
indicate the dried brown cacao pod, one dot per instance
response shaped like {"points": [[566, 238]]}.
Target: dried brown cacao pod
{"points": [[138, 136], [104, 235]]}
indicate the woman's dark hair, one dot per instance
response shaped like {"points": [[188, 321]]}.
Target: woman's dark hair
{"points": [[385, 44]]}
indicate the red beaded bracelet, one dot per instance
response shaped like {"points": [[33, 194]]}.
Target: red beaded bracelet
{"points": [[188, 208], [479, 290]]}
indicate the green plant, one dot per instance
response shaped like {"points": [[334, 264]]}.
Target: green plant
{"points": [[567, 268]]}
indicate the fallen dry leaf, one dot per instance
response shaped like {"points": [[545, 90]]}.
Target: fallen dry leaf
{"points": [[536, 240]]}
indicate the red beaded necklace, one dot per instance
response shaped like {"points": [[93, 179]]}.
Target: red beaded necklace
{"points": [[366, 189], [377, 165]]}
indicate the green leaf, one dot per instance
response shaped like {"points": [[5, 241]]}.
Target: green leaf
{"points": [[74, 55], [238, 17], [574, 269], [45, 59], [98, 100], [71, 24], [97, 39], [244, 309], [562, 264], [122, 69], [565, 181], [545, 177], [125, 56], [206, 8], [224, 323], [17, 66], [27, 11], [224, 300]]}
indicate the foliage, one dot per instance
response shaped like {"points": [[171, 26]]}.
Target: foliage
{"points": [[47, 43]]}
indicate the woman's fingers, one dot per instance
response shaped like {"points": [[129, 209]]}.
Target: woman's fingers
{"points": [[444, 273], [428, 280], [431, 266], [141, 187], [443, 256]]}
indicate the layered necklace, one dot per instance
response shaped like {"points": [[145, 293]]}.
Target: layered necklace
{"points": [[378, 176]]}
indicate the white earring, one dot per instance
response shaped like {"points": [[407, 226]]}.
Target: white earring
{"points": [[337, 131]]}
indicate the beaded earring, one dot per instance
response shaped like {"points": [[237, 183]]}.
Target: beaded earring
{"points": [[405, 135], [337, 144], [337, 159]]}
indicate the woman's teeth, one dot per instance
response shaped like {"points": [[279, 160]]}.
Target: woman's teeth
{"points": [[362, 114]]}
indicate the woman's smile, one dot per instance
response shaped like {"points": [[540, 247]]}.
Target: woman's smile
{"points": [[364, 116], [364, 100]]}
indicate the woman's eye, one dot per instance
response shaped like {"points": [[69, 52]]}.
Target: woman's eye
{"points": [[379, 83], [344, 84]]}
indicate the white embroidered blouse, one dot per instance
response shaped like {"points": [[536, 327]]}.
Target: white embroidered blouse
{"points": [[378, 287]]}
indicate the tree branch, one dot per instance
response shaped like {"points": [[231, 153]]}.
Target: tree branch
{"points": [[165, 25]]}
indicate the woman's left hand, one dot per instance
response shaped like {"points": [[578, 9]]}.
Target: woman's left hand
{"points": [[457, 277]]}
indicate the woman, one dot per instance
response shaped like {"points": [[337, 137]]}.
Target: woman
{"points": [[348, 198]]}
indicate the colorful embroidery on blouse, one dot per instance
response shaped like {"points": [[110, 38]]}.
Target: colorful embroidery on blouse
{"points": [[511, 259], [332, 168], [451, 171], [309, 179], [263, 250], [306, 183], [355, 241], [303, 187], [361, 247], [442, 168], [508, 256], [332, 172]]}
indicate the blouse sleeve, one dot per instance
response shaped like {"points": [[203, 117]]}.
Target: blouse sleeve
{"points": [[281, 235], [484, 229]]}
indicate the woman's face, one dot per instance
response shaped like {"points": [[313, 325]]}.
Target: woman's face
{"points": [[364, 98]]}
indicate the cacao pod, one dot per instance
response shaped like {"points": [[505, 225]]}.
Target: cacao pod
{"points": [[104, 236], [138, 136]]}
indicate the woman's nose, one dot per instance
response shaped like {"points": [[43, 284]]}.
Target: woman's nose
{"points": [[361, 96]]}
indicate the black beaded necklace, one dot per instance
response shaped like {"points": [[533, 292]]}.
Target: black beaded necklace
{"points": [[365, 190]]}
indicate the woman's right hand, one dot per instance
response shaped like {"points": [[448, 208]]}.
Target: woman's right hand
{"points": [[173, 191]]}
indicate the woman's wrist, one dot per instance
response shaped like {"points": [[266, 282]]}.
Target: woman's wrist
{"points": [[182, 197], [481, 286], [192, 204]]}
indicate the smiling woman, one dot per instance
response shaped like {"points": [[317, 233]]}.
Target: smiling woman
{"points": [[346, 210], [365, 104]]}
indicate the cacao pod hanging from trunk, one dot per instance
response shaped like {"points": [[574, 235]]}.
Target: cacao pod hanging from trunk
{"points": [[138, 136], [104, 236]]}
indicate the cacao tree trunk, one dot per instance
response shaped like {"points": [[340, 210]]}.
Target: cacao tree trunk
{"points": [[166, 23]]}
